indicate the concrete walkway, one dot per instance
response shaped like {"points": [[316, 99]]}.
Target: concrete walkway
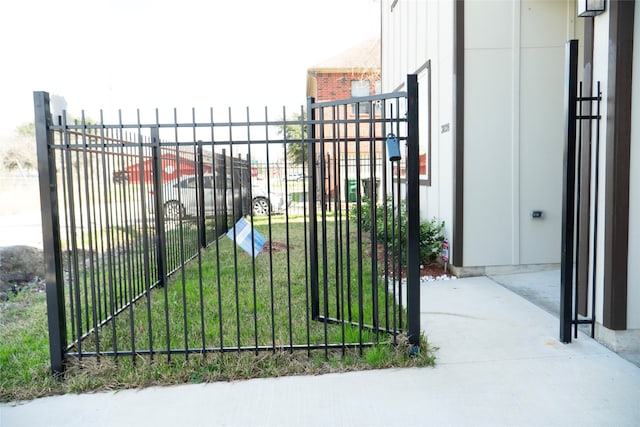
{"points": [[499, 364]]}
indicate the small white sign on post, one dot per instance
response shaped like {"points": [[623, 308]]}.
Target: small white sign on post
{"points": [[243, 233]]}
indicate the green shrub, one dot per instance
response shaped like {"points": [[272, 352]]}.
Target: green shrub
{"points": [[431, 239], [431, 236]]}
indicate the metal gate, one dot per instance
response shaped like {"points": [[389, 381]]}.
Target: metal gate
{"points": [[356, 143], [168, 237], [580, 189]]}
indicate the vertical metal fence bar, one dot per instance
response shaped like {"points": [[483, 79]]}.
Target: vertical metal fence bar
{"points": [[202, 233], [83, 302], [397, 227], [313, 210], [216, 186], [385, 215], [105, 197], [270, 236], [345, 124], [323, 224], [287, 229], [180, 255], [97, 248], [63, 142], [373, 188], [306, 197], [340, 264], [211, 162], [145, 255], [50, 231], [335, 191], [359, 229], [176, 243], [75, 295], [132, 247], [576, 286], [253, 238], [89, 253], [235, 231], [224, 188], [413, 213], [568, 192], [596, 180], [99, 213], [161, 241], [201, 224], [109, 276]]}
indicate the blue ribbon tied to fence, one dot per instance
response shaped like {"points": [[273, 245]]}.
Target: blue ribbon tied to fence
{"points": [[243, 233]]}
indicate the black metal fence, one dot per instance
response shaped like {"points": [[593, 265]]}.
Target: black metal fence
{"points": [[189, 237], [582, 119]]}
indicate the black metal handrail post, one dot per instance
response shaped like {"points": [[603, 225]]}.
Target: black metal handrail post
{"points": [[50, 232], [413, 213], [568, 192]]}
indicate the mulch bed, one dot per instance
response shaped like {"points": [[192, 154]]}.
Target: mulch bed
{"points": [[433, 269]]}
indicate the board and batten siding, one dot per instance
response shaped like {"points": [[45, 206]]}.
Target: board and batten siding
{"points": [[513, 118]]}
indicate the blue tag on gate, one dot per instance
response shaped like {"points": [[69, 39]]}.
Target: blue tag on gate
{"points": [[243, 234], [393, 148]]}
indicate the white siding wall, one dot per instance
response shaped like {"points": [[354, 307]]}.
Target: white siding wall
{"points": [[489, 120], [514, 84], [415, 32], [514, 136], [542, 75]]}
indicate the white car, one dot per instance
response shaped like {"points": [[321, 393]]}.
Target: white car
{"points": [[265, 203], [180, 198]]}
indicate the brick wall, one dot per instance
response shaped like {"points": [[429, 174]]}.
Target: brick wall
{"points": [[334, 86]]}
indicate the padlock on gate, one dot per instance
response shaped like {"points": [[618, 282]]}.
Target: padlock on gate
{"points": [[393, 148]]}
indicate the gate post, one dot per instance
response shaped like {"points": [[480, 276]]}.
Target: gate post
{"points": [[568, 192], [50, 232], [313, 211], [161, 244], [413, 213]]}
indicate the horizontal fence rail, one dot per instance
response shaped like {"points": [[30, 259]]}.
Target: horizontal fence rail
{"points": [[223, 235]]}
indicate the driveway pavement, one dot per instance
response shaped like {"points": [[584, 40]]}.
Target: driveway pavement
{"points": [[499, 364]]}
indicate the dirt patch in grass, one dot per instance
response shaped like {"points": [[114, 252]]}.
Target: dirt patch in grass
{"points": [[274, 247]]}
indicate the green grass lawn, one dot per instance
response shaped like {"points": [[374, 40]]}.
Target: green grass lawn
{"points": [[224, 299]]}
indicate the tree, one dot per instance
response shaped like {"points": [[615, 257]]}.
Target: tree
{"points": [[26, 129], [295, 132], [19, 152]]}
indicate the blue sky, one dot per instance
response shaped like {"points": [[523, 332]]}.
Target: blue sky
{"points": [[132, 54]]}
